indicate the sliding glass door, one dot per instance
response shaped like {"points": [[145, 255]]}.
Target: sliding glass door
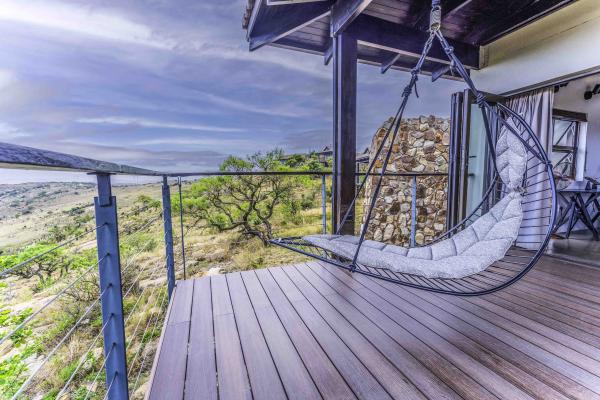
{"points": [[470, 165]]}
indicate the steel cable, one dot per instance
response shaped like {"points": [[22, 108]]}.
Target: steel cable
{"points": [[24, 322], [146, 355], [82, 359], [60, 343], [58, 246]]}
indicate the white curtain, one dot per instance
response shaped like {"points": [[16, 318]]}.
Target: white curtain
{"points": [[536, 109]]}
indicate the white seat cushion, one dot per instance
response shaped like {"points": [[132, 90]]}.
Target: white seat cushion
{"points": [[468, 252]]}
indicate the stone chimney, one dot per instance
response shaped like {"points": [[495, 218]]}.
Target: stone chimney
{"points": [[421, 146]]}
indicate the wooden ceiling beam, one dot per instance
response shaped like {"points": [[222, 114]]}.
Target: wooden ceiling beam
{"points": [[328, 53], [491, 29], [387, 64], [276, 22], [343, 12], [404, 65], [449, 7], [395, 38], [284, 2]]}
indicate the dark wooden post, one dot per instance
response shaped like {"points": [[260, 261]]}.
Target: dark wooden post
{"points": [[168, 228], [453, 215], [109, 267], [324, 204], [344, 129], [413, 211]]}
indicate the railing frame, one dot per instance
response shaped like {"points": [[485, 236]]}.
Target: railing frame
{"points": [[107, 235], [168, 233], [109, 269]]}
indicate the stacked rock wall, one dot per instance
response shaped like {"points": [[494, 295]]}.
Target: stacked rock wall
{"points": [[421, 146]]}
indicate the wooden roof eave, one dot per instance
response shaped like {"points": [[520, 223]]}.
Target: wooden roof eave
{"points": [[272, 25], [268, 24]]}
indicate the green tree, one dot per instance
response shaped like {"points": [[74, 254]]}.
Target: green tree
{"points": [[43, 267], [46, 266], [243, 203], [144, 209]]}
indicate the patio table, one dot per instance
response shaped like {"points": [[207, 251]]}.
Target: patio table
{"points": [[578, 201]]}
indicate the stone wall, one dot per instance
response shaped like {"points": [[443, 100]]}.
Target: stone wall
{"points": [[421, 146]]}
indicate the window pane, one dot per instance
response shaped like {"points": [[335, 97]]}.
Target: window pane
{"points": [[564, 133]]}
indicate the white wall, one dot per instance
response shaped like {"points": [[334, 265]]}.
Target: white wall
{"points": [[571, 98], [563, 44]]}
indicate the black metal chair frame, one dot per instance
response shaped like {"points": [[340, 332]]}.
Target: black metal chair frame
{"points": [[538, 191]]}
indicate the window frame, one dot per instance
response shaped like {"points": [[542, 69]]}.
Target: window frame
{"points": [[576, 118]]}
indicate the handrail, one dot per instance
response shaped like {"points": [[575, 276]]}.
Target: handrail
{"points": [[16, 156], [23, 157]]}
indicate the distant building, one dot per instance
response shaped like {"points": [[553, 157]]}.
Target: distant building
{"points": [[326, 155]]}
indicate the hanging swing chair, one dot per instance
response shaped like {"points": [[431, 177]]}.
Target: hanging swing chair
{"points": [[495, 246]]}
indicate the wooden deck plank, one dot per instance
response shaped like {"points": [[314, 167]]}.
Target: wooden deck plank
{"points": [[390, 377], [566, 324], [569, 270], [489, 341], [574, 291], [532, 336], [431, 385], [553, 309], [293, 373], [555, 296], [446, 371], [169, 376], [313, 331], [576, 288], [550, 332], [264, 379], [182, 303], [491, 360], [398, 311], [201, 379], [328, 379], [548, 300], [358, 378], [583, 377], [231, 368]]}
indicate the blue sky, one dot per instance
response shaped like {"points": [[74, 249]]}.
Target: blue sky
{"points": [[171, 85]]}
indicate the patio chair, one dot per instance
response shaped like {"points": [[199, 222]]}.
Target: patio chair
{"points": [[493, 247]]}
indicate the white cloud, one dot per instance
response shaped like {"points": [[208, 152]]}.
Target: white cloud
{"points": [[281, 111], [9, 132], [6, 78], [307, 64], [148, 123], [191, 141], [80, 20]]}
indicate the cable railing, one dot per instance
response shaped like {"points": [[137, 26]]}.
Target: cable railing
{"points": [[128, 286], [412, 210], [53, 249], [149, 271]]}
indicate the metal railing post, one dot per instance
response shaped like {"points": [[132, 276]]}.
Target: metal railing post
{"points": [[324, 204], [181, 226], [168, 229], [413, 211], [109, 267]]}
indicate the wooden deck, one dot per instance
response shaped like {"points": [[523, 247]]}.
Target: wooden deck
{"points": [[313, 331]]}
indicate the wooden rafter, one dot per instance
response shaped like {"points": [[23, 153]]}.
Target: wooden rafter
{"points": [[273, 23], [524, 13], [449, 7], [344, 12], [403, 40], [284, 2]]}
